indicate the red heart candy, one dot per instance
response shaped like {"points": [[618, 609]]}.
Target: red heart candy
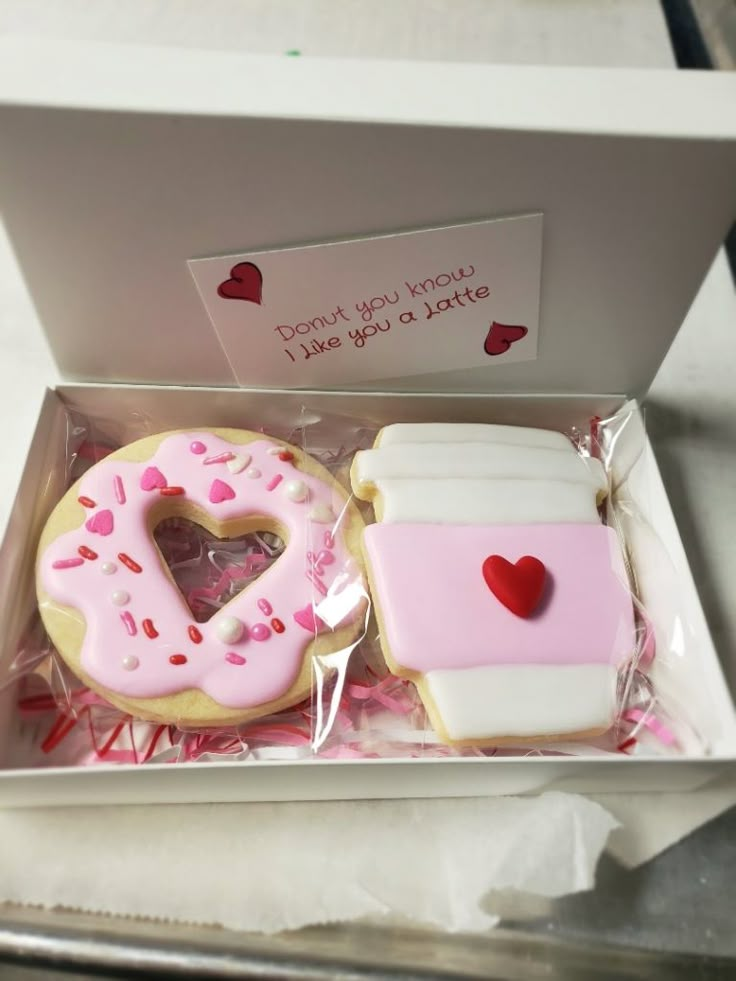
{"points": [[500, 337], [245, 283], [520, 586]]}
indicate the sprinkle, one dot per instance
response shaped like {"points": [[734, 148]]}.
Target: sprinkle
{"points": [[259, 631], [286, 456], [131, 662], [317, 582], [101, 523], [177, 659], [87, 553], [238, 463], [108, 568], [148, 628], [120, 597], [87, 502], [265, 607], [234, 658], [220, 458], [230, 630], [119, 490], [195, 635], [131, 563], [253, 473], [278, 625], [329, 540], [322, 514], [66, 563], [274, 482], [274, 450], [171, 491], [197, 447], [296, 490], [153, 479], [129, 623], [220, 491]]}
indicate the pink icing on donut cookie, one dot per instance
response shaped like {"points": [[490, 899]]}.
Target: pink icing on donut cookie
{"points": [[140, 639]]}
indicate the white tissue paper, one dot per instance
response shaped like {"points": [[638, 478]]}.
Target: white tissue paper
{"points": [[271, 867]]}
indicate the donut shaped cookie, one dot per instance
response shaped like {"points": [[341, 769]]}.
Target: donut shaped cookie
{"points": [[111, 607]]}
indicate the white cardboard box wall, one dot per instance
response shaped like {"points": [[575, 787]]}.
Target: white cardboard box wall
{"points": [[111, 180]]}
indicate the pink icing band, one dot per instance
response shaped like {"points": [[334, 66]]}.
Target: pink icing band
{"points": [[169, 660], [449, 619]]}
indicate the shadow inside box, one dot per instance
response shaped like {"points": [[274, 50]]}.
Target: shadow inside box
{"points": [[680, 901], [668, 427]]}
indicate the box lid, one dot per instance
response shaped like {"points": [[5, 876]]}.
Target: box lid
{"points": [[118, 164]]}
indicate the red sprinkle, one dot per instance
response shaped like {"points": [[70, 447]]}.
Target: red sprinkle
{"points": [[195, 634], [178, 659], [87, 553], [627, 744], [278, 625], [171, 491], [148, 628], [87, 502], [286, 455], [131, 563]]}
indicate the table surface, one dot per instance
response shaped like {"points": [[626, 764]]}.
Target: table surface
{"points": [[681, 901]]}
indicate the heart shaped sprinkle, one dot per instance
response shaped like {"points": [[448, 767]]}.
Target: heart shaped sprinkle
{"points": [[220, 491], [309, 619], [152, 479], [101, 523], [519, 586]]}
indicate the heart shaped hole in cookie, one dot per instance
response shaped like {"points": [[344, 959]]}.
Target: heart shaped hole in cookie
{"points": [[210, 571]]}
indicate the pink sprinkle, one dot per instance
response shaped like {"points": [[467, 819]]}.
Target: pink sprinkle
{"points": [[259, 631], [274, 482], [119, 490], [129, 623], [220, 491], [197, 447], [234, 658], [329, 540], [220, 458], [265, 607], [66, 563], [317, 582]]}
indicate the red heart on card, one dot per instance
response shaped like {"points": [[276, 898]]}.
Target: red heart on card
{"points": [[245, 283], [519, 586], [500, 337]]}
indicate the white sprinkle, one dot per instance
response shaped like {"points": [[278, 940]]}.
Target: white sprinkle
{"points": [[238, 463], [108, 568], [130, 663], [322, 514], [296, 490], [229, 630], [253, 473], [120, 597]]}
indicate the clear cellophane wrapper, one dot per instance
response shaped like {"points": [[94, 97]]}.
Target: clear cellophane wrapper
{"points": [[357, 709]]}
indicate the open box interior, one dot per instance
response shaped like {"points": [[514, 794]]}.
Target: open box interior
{"points": [[691, 677], [109, 189]]}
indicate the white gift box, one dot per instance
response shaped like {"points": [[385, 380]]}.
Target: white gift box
{"points": [[118, 166]]}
